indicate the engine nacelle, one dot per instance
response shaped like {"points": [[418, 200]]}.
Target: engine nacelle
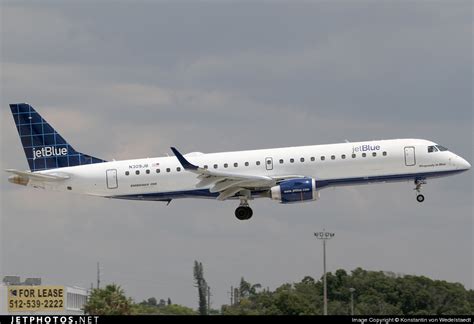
{"points": [[295, 190]]}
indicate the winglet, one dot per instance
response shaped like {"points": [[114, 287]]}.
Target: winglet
{"points": [[185, 163]]}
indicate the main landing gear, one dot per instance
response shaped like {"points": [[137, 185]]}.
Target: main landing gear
{"points": [[243, 212], [419, 197]]}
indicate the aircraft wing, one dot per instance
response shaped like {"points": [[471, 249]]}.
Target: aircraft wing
{"points": [[227, 184], [51, 177]]}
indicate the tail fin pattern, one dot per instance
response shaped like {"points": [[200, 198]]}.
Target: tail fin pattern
{"points": [[44, 147]]}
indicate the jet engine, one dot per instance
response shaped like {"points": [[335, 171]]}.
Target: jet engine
{"points": [[295, 190]]}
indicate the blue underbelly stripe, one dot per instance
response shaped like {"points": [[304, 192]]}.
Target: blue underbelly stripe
{"points": [[320, 184]]}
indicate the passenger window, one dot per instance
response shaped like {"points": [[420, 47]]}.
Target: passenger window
{"points": [[225, 165], [312, 159], [127, 173], [354, 156], [236, 165], [343, 156], [374, 154], [302, 160], [157, 170], [257, 163], [364, 155], [323, 158], [137, 172], [206, 167], [281, 161], [178, 169], [168, 170], [292, 160], [384, 153], [147, 171], [333, 157], [215, 166], [246, 164], [269, 162]]}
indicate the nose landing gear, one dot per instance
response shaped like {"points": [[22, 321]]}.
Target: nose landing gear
{"points": [[419, 197]]}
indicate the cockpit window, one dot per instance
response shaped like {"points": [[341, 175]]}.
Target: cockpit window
{"points": [[441, 148], [432, 149]]}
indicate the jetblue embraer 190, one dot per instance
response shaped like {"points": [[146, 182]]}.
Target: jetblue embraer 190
{"points": [[287, 175]]}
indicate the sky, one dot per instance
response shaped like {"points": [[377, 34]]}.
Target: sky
{"points": [[122, 80]]}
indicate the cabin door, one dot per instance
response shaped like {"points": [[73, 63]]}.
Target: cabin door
{"points": [[410, 159], [111, 179]]}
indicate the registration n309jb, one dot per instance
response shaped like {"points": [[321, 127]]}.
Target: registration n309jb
{"points": [[286, 175]]}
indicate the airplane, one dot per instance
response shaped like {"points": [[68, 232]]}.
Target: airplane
{"points": [[286, 175]]}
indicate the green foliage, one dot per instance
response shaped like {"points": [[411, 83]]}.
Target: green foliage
{"points": [[150, 301], [145, 309], [201, 286], [110, 300], [246, 289], [376, 293]]}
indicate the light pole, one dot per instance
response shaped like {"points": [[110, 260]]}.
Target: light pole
{"points": [[352, 300], [324, 236]]}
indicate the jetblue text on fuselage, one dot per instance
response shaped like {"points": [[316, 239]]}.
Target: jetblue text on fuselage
{"points": [[48, 151], [365, 148]]}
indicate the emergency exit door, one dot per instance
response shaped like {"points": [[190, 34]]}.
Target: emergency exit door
{"points": [[111, 178], [410, 159], [269, 163]]}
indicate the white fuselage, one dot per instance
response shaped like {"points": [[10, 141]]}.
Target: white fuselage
{"points": [[163, 178]]}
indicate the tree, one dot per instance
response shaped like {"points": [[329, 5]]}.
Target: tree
{"points": [[201, 286], [152, 301], [376, 293], [145, 309], [253, 289], [110, 300], [244, 288]]}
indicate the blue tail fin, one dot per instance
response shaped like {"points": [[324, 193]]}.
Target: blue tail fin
{"points": [[44, 147]]}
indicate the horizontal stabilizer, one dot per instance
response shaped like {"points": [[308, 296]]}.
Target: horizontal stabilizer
{"points": [[51, 177]]}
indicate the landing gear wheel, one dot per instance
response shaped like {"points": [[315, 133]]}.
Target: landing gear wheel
{"points": [[250, 212], [420, 198], [243, 212]]}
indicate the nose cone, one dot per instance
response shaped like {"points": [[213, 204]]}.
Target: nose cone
{"points": [[463, 164]]}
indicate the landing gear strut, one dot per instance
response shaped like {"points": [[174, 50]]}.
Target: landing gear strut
{"points": [[419, 197], [243, 212]]}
